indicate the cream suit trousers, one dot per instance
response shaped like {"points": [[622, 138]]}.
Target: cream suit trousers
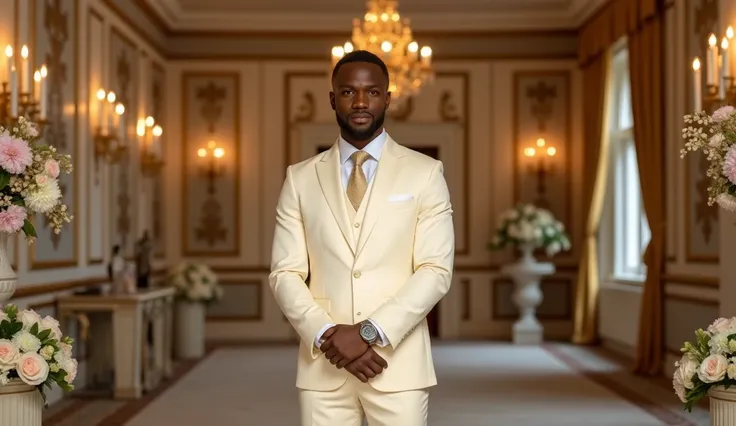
{"points": [[346, 406]]}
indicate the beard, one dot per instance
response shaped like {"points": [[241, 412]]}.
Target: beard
{"points": [[357, 134]]}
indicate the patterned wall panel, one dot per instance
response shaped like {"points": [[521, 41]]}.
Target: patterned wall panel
{"points": [[124, 80], [701, 221], [242, 301], [211, 197], [96, 194], [157, 102], [542, 109], [55, 42]]}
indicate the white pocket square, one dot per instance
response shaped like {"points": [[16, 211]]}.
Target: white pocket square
{"points": [[400, 197]]}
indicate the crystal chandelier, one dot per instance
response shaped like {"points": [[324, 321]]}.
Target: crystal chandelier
{"points": [[384, 33]]}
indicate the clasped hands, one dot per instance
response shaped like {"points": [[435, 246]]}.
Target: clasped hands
{"points": [[344, 347]]}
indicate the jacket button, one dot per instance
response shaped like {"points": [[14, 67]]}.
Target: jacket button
{"points": [[357, 225], [356, 274]]}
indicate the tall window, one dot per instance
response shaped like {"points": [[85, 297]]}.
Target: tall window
{"points": [[630, 227]]}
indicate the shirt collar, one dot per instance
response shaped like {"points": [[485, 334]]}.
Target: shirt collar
{"points": [[374, 148]]}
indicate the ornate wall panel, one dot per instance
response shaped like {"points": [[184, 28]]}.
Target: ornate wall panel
{"points": [[542, 109], [55, 42], [96, 194], [211, 112], [124, 80], [435, 119], [701, 221], [157, 104], [242, 301]]}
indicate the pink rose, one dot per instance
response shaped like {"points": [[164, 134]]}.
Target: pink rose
{"points": [[722, 113], [9, 355], [42, 179], [33, 369], [51, 167], [713, 369]]}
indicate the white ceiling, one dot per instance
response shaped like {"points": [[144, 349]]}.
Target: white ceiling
{"points": [[336, 15]]}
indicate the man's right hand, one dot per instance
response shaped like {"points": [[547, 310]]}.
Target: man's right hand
{"points": [[367, 366]]}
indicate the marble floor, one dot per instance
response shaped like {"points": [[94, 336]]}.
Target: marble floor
{"points": [[481, 384]]}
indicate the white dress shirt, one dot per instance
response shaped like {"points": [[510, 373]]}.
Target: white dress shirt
{"points": [[374, 148]]}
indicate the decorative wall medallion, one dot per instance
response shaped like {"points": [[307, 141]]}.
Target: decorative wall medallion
{"points": [[447, 108], [306, 109], [211, 97], [542, 94]]}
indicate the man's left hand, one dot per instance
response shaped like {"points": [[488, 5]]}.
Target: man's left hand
{"points": [[344, 345]]}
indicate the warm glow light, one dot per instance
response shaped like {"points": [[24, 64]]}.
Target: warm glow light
{"points": [[219, 152], [44, 71], [696, 64], [211, 145], [551, 151], [338, 51], [724, 43], [149, 121], [386, 46], [729, 32], [111, 97], [529, 152], [119, 109], [140, 128], [413, 47], [540, 142], [157, 130], [426, 52], [24, 52], [712, 40], [9, 51], [37, 76], [202, 152], [348, 47]]}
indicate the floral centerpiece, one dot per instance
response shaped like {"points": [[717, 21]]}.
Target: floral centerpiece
{"points": [[195, 282], [715, 136], [707, 362], [528, 227], [33, 350], [29, 173]]}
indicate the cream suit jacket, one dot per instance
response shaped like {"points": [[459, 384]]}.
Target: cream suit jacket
{"points": [[397, 270]]}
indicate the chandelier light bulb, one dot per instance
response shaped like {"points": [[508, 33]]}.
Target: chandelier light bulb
{"points": [[100, 94], [348, 47], [729, 33], [338, 52], [712, 40], [386, 46], [551, 151], [426, 52], [111, 97], [44, 71], [119, 109], [9, 51], [384, 17], [37, 76], [696, 64], [157, 130], [218, 152], [202, 152], [413, 47], [529, 152], [541, 142]]}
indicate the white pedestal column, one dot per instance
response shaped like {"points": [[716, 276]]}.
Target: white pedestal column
{"points": [[727, 288], [20, 404], [189, 329], [527, 296], [722, 406]]}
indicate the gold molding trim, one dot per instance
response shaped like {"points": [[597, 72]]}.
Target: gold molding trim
{"points": [[568, 143], [33, 263], [236, 168], [258, 284], [462, 117], [92, 14]]}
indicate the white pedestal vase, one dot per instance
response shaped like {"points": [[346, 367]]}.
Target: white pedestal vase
{"points": [[20, 404], [722, 406], [8, 278], [190, 318], [526, 273]]}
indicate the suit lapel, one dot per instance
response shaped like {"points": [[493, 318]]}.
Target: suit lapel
{"points": [[328, 173], [388, 168]]}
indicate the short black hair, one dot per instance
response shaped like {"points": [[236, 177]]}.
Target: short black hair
{"points": [[361, 56]]}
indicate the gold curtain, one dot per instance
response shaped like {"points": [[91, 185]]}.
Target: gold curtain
{"points": [[595, 172], [645, 65]]}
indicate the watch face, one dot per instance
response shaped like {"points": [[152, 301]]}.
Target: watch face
{"points": [[368, 332]]}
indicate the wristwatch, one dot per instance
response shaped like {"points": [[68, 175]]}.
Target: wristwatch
{"points": [[368, 332]]}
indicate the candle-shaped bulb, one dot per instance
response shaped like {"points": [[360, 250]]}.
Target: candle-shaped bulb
{"points": [[551, 151], [712, 40], [24, 52], [729, 32], [149, 121], [37, 76], [529, 152], [119, 109], [9, 51], [348, 47], [426, 52], [218, 152], [157, 130], [541, 142], [140, 128], [202, 152], [413, 47], [338, 52], [101, 94], [696, 64], [44, 71], [111, 97], [724, 43]]}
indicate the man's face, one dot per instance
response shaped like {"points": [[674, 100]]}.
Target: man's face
{"points": [[360, 98]]}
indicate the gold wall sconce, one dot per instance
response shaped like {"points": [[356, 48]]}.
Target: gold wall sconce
{"points": [[149, 140], [214, 168], [110, 139], [541, 165], [719, 81], [23, 95]]}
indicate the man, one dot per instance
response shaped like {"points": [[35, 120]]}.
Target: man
{"points": [[370, 223]]}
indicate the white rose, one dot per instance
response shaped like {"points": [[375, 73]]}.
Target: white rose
{"points": [[26, 342], [719, 344], [722, 325], [678, 385], [70, 366], [33, 369], [9, 355], [28, 318], [65, 350], [688, 369], [49, 323], [713, 369]]}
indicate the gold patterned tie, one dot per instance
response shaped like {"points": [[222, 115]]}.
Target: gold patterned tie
{"points": [[357, 184]]}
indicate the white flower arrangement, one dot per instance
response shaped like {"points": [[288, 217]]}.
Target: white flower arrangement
{"points": [[195, 282], [715, 136], [33, 350], [529, 226], [708, 362]]}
